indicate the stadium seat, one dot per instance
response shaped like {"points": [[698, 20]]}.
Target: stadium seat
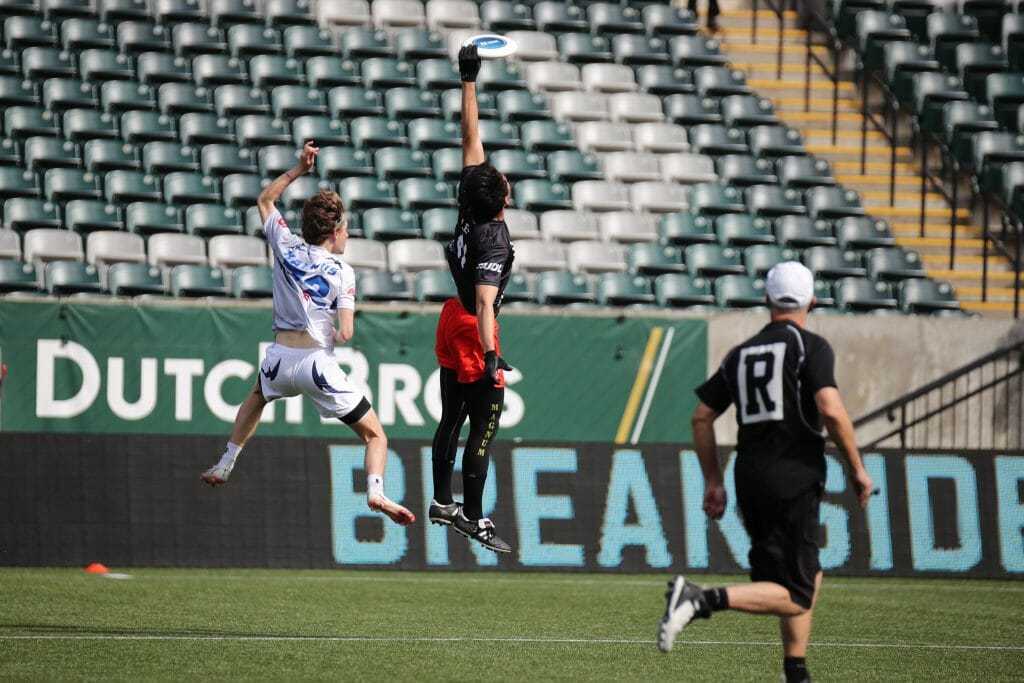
{"points": [[638, 50], [189, 280], [541, 195], [603, 136], [147, 218], [43, 152], [665, 20], [547, 136], [140, 127], [198, 38], [773, 142], [80, 125], [411, 103], [180, 98], [371, 132], [444, 15], [522, 225], [683, 229], [607, 17], [1005, 95], [583, 48], [563, 225], [68, 93], [419, 44], [605, 78], [574, 107], [660, 138], [570, 165], [16, 91], [715, 139], [326, 131], [360, 193], [234, 251], [559, 17], [631, 167], [893, 263], [659, 197], [155, 68], [919, 295], [282, 13], [498, 75], [121, 96], [381, 285], [741, 170], [64, 184], [654, 259], [433, 134], [136, 37], [18, 182], [190, 188], [165, 157], [516, 164], [83, 33], [760, 258], [207, 220], [26, 213], [434, 285], [248, 40], [800, 232], [22, 122], [534, 255], [946, 31], [332, 162], [960, 121], [534, 46], [550, 76], [803, 172], [664, 80], [692, 51], [228, 12], [746, 111], [831, 263], [410, 255], [501, 17], [116, 11], [303, 42], [18, 276], [519, 290], [975, 61], [599, 195], [832, 203], [394, 163], [105, 247], [628, 227], [556, 287], [872, 30], [170, 12], [209, 71], [682, 290], [720, 81], [10, 245], [712, 260], [712, 199], [743, 230], [688, 168], [169, 249], [330, 71], [739, 291], [40, 63], [437, 75], [859, 294], [903, 59], [89, 215], [623, 289], [390, 223], [439, 223], [219, 160], [633, 107], [774, 201], [862, 232]]}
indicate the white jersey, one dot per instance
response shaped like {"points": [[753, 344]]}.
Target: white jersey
{"points": [[310, 283]]}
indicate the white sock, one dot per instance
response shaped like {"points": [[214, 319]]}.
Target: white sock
{"points": [[374, 485], [231, 452]]}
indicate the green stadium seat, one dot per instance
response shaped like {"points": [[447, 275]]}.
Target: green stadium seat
{"points": [[91, 215], [517, 164], [831, 263], [139, 127], [684, 229], [268, 71], [739, 291], [334, 163], [80, 125], [259, 130], [692, 50], [43, 152], [40, 63], [662, 20], [873, 29], [134, 279], [64, 184], [522, 105], [29, 31], [759, 258], [988, 14], [99, 65], [571, 165], [327, 132], [252, 282], [209, 71], [364, 42], [189, 280], [1005, 95], [975, 61], [411, 103], [558, 17], [413, 44], [22, 214], [800, 232], [157, 68], [384, 72], [546, 136], [207, 220], [235, 100], [960, 121], [63, 278], [746, 111], [166, 157], [500, 17], [346, 102], [519, 290], [219, 160], [170, 12], [584, 48], [946, 31], [447, 163], [664, 80], [303, 42], [434, 285], [180, 98], [17, 276], [372, 132], [115, 11], [328, 71], [648, 258], [715, 139], [10, 152], [860, 294], [124, 186], [902, 60], [802, 172], [713, 260], [439, 223], [362, 193], [190, 188], [281, 13], [437, 75], [919, 295], [863, 232], [68, 93], [677, 290], [497, 75], [773, 142], [558, 287], [248, 40], [147, 217], [637, 50], [290, 101], [301, 189], [394, 163], [390, 223], [607, 17], [743, 230], [741, 170], [623, 289], [893, 263], [9, 65], [433, 134], [832, 203], [241, 190], [773, 201], [198, 38], [541, 195], [381, 285], [83, 33], [720, 81], [991, 150], [712, 199], [418, 194], [1013, 39], [18, 182], [273, 160], [136, 37], [16, 91], [204, 129], [117, 97], [228, 12]]}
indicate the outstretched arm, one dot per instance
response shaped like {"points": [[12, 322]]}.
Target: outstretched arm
{"points": [[472, 146], [270, 194], [837, 422]]}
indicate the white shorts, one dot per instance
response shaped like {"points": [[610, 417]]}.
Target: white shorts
{"points": [[314, 373]]}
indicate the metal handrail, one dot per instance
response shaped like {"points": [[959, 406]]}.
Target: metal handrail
{"points": [[817, 23], [778, 9]]}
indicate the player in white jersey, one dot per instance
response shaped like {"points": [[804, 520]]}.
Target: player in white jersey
{"points": [[312, 289]]}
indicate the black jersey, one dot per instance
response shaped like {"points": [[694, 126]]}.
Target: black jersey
{"points": [[480, 253], [772, 378]]}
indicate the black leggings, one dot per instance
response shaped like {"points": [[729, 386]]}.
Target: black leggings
{"points": [[482, 403]]}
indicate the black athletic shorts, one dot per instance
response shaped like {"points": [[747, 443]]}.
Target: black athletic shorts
{"points": [[784, 540]]}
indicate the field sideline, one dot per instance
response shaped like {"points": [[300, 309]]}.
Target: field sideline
{"points": [[341, 625]]}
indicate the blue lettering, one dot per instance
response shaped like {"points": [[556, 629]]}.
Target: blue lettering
{"points": [[437, 536], [697, 522], [347, 505], [926, 556], [629, 481], [531, 507], [834, 518], [879, 531], [1009, 474]]}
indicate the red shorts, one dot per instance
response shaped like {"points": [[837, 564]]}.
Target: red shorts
{"points": [[458, 344]]}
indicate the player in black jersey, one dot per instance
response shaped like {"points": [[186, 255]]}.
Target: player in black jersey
{"points": [[782, 383], [472, 369]]}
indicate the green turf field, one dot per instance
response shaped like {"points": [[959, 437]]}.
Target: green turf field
{"points": [[61, 624]]}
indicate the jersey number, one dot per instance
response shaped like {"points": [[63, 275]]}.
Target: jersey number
{"points": [[460, 250], [760, 383]]}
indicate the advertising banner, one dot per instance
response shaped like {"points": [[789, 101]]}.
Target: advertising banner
{"points": [[125, 369], [137, 501]]}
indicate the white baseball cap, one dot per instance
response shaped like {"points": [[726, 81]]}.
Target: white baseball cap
{"points": [[790, 285]]}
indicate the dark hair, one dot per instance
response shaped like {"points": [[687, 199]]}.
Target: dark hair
{"points": [[484, 190], [320, 214]]}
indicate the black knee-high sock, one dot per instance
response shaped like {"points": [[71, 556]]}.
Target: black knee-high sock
{"points": [[484, 402], [795, 669], [446, 437]]}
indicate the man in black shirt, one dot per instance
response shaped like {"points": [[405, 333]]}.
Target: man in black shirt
{"points": [[783, 385], [472, 369]]}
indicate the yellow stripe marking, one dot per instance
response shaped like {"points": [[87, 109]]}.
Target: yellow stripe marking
{"points": [[643, 374]]}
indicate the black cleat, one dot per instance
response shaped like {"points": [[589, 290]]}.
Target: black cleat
{"points": [[443, 514], [481, 531]]}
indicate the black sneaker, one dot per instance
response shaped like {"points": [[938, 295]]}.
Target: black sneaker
{"points": [[684, 602], [443, 514], [481, 531]]}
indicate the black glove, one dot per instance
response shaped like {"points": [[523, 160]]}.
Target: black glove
{"points": [[469, 63], [492, 363]]}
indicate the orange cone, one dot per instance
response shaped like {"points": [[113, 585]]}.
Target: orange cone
{"points": [[97, 568]]}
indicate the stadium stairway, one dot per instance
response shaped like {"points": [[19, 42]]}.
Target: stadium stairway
{"points": [[757, 56]]}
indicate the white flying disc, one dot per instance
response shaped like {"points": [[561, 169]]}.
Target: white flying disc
{"points": [[492, 45]]}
